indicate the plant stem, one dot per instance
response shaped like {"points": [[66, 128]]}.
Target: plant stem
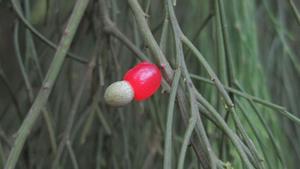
{"points": [[295, 11], [48, 83], [44, 39], [273, 106], [169, 130], [149, 39]]}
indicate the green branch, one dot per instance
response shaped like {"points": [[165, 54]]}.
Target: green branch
{"points": [[48, 83]]}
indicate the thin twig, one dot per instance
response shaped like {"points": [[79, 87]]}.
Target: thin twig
{"points": [[110, 28], [29, 89], [66, 137], [48, 83], [17, 9], [11, 93], [295, 11], [72, 155], [149, 39], [169, 130], [273, 106]]}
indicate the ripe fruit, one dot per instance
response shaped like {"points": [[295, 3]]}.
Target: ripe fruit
{"points": [[140, 82]]}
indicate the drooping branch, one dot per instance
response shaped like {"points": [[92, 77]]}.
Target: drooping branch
{"points": [[48, 83]]}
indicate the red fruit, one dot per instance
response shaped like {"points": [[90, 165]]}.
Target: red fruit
{"points": [[145, 79], [140, 82]]}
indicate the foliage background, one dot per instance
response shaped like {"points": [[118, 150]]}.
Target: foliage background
{"points": [[252, 46]]}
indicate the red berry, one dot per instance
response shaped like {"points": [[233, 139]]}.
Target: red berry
{"points": [[145, 79]]}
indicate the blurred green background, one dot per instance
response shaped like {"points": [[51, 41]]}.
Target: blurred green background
{"points": [[252, 46]]}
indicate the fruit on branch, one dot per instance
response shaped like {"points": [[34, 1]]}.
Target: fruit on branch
{"points": [[140, 82]]}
